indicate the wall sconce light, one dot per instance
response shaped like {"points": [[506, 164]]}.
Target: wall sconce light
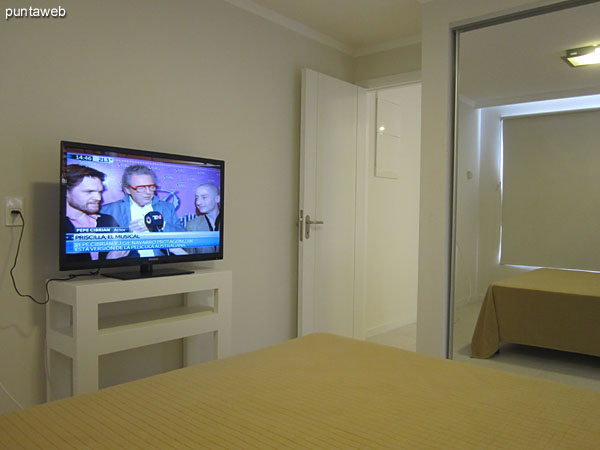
{"points": [[583, 56]]}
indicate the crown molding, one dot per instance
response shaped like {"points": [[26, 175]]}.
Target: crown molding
{"points": [[306, 31], [390, 45], [467, 100], [292, 25]]}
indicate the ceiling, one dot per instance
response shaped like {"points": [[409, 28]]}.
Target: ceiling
{"points": [[357, 26]]}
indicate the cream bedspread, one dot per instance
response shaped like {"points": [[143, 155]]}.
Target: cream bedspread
{"points": [[320, 391]]}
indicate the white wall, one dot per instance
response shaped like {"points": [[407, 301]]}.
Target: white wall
{"points": [[490, 203], [393, 218], [198, 77], [439, 16], [467, 202], [389, 62]]}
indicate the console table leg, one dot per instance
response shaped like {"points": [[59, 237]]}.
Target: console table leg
{"points": [[85, 361]]}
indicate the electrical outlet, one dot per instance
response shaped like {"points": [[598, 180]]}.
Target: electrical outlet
{"points": [[12, 204]]}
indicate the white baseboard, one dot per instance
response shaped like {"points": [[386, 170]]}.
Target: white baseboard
{"points": [[380, 329]]}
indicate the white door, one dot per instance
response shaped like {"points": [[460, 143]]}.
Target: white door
{"points": [[333, 166]]}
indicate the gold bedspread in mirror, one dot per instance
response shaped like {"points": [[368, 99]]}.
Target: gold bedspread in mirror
{"points": [[551, 308]]}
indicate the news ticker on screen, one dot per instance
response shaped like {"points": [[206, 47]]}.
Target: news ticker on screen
{"points": [[84, 241]]}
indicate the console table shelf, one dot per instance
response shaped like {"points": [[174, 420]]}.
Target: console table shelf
{"points": [[73, 327]]}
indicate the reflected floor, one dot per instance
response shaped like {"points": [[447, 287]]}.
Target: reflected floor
{"points": [[404, 337], [563, 367]]}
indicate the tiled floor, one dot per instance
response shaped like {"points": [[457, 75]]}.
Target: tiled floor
{"points": [[562, 367]]}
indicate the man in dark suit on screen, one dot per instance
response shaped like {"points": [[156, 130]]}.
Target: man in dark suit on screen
{"points": [[84, 197]]}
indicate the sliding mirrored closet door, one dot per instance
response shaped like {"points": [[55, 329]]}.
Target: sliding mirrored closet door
{"points": [[514, 211]]}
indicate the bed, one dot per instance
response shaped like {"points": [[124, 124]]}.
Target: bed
{"points": [[318, 391], [550, 308]]}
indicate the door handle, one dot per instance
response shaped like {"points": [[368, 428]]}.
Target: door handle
{"points": [[308, 223]]}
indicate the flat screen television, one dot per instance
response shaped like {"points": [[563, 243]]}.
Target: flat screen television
{"points": [[124, 207]]}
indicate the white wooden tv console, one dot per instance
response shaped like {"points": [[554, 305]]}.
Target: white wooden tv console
{"points": [[73, 327]]}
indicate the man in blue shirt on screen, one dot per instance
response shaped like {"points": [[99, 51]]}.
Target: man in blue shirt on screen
{"points": [[139, 184]]}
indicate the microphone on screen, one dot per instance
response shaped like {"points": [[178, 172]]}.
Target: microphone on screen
{"points": [[154, 221]]}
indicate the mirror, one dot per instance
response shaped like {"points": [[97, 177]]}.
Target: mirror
{"points": [[507, 70]]}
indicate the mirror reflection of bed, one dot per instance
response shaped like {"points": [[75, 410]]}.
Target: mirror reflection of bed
{"points": [[526, 194]]}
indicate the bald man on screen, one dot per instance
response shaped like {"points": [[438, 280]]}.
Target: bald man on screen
{"points": [[207, 201]]}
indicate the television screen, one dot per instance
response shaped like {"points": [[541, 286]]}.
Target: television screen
{"points": [[124, 207]]}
